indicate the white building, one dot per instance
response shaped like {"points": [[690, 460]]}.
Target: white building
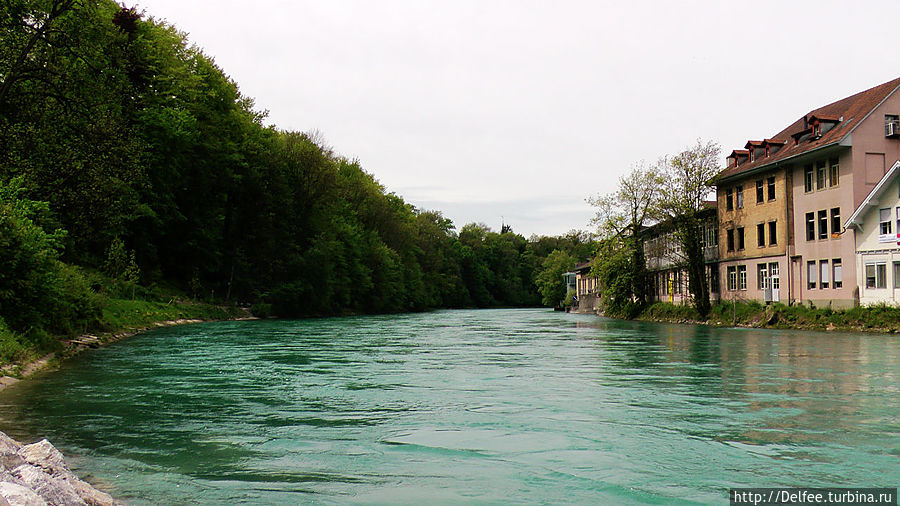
{"points": [[876, 227]]}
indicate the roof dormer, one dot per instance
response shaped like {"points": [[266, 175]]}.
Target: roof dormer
{"points": [[755, 149], [739, 156], [820, 124], [772, 146], [802, 135]]}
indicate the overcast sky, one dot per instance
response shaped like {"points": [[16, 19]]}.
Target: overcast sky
{"points": [[515, 110]]}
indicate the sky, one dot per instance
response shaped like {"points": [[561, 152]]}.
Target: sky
{"points": [[517, 111]]}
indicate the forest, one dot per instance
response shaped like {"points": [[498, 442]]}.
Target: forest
{"points": [[128, 158]]}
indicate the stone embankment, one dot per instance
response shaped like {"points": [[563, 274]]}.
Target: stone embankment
{"points": [[37, 475]]}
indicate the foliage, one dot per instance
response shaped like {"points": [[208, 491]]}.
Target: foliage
{"points": [[666, 311], [550, 280], [129, 155], [618, 277], [689, 177], [37, 291], [620, 218]]}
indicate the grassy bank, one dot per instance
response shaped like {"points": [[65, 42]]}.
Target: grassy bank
{"points": [[879, 318], [114, 312]]}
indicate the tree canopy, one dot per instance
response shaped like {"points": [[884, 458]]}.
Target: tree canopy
{"points": [[146, 161]]}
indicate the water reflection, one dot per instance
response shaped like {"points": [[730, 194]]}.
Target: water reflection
{"points": [[794, 387]]}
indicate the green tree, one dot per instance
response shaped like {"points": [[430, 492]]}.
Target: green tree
{"points": [[37, 291], [620, 218], [549, 279], [689, 177]]}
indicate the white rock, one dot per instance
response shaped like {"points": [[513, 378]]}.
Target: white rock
{"points": [[55, 491], [46, 456], [91, 495], [17, 495]]}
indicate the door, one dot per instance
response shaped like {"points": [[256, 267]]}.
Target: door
{"points": [[775, 282]]}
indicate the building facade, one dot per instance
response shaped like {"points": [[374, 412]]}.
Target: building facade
{"points": [[665, 259], [587, 290], [875, 225], [782, 201]]}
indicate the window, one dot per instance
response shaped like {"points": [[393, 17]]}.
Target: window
{"points": [[712, 236], [810, 226], [729, 202], [742, 277], [823, 224], [740, 238], [771, 187], [732, 278], [870, 275], [875, 274], [838, 273], [808, 179], [836, 221], [834, 173], [825, 274], [884, 217], [811, 274], [891, 124], [759, 191], [896, 274], [762, 276], [898, 220], [739, 197], [714, 281], [773, 276], [760, 234], [820, 175], [730, 238], [773, 237]]}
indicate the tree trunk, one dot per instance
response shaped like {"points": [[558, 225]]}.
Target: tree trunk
{"points": [[690, 233]]}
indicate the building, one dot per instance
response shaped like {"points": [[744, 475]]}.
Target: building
{"points": [[665, 259], [587, 289], [876, 227], [781, 200]]}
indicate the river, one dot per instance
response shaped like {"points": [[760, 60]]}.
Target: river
{"points": [[481, 406]]}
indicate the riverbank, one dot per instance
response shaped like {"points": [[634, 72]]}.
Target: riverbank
{"points": [[121, 319], [37, 474], [752, 314]]}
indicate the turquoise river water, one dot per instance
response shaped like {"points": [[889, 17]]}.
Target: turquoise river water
{"points": [[490, 406]]}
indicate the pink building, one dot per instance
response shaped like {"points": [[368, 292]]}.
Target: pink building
{"points": [[783, 200]]}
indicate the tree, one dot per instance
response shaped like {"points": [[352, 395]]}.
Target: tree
{"points": [[549, 280], [121, 264], [620, 217], [689, 177]]}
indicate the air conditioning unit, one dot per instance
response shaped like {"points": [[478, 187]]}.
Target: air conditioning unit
{"points": [[892, 129]]}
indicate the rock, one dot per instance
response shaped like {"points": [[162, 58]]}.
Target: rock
{"points": [[37, 474], [52, 489], [91, 495], [17, 495], [9, 449], [44, 455], [830, 326]]}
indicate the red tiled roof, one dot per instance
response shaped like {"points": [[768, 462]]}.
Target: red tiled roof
{"points": [[822, 117], [850, 110]]}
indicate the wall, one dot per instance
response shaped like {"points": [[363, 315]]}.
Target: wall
{"points": [[871, 250], [869, 143], [837, 245]]}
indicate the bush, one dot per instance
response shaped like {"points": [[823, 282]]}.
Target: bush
{"points": [[37, 291]]}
